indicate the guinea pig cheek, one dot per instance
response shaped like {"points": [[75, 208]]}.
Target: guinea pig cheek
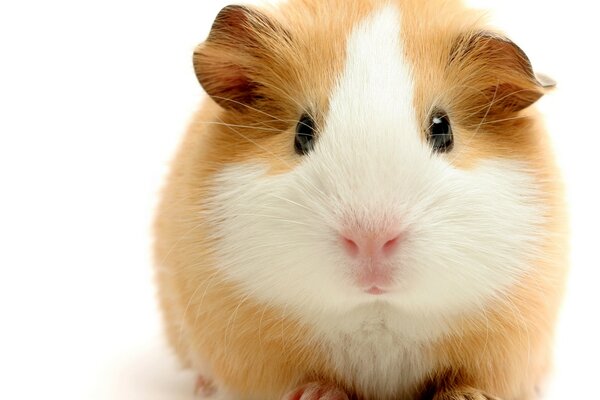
{"points": [[271, 237]]}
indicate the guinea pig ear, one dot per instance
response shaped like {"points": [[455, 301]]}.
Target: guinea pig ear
{"points": [[499, 69], [226, 64], [546, 81]]}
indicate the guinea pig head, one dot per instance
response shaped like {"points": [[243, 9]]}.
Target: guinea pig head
{"points": [[372, 155]]}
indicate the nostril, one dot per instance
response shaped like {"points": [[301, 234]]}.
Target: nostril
{"points": [[350, 246], [391, 245], [369, 245]]}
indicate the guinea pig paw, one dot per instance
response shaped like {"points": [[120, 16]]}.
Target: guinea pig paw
{"points": [[464, 394], [316, 391], [205, 388]]}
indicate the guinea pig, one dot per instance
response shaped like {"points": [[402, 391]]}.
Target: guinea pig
{"points": [[365, 207]]}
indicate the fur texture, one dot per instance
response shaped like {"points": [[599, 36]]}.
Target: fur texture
{"points": [[257, 292]]}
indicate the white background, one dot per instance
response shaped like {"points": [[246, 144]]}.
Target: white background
{"points": [[94, 97]]}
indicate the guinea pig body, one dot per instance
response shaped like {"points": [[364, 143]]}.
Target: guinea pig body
{"points": [[365, 207]]}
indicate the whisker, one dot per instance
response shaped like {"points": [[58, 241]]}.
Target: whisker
{"points": [[250, 108], [231, 321], [198, 307], [238, 126], [273, 218], [259, 146], [292, 202], [505, 119]]}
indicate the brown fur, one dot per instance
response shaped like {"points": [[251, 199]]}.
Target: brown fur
{"points": [[482, 80]]}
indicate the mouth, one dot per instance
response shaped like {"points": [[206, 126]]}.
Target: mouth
{"points": [[376, 291]]}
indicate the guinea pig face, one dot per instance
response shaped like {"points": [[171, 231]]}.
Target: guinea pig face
{"points": [[401, 190]]}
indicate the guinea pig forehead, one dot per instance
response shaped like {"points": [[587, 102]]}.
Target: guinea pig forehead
{"points": [[374, 90]]}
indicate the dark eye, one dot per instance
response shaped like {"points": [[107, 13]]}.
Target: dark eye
{"points": [[440, 133], [305, 135]]}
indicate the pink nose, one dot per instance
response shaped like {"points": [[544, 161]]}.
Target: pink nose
{"points": [[375, 246]]}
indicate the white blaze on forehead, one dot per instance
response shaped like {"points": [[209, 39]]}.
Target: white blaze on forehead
{"points": [[371, 129], [374, 95]]}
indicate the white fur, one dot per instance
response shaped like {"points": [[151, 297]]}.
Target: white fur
{"points": [[471, 233]]}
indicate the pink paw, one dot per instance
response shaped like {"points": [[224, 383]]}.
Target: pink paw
{"points": [[316, 391], [204, 387]]}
